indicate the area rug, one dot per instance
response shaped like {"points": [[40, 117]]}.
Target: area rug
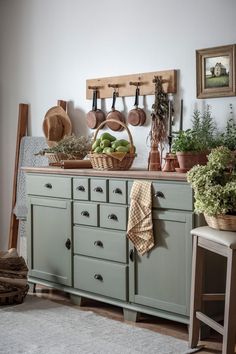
{"points": [[40, 326]]}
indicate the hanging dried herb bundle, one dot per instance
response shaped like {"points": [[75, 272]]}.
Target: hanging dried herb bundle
{"points": [[158, 134]]}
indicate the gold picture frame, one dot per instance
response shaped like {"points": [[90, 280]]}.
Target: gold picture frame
{"points": [[216, 71]]}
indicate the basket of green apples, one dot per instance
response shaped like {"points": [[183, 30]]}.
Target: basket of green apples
{"points": [[109, 153]]}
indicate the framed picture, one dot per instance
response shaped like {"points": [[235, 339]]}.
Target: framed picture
{"points": [[216, 71]]}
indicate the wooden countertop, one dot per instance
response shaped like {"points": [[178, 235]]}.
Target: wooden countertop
{"points": [[132, 173]]}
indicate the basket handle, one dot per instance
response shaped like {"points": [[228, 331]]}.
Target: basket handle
{"points": [[123, 125]]}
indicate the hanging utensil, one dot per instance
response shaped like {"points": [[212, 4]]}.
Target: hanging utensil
{"points": [[95, 116], [136, 116], [115, 115]]}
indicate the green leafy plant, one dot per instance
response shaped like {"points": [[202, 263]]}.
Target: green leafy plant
{"points": [[185, 140], [215, 183], [201, 137], [71, 145], [228, 138]]}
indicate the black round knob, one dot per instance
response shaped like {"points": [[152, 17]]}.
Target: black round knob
{"points": [[159, 194], [48, 185], [85, 213], [98, 243], [112, 217], [117, 191], [98, 277], [68, 244], [98, 189], [80, 188]]}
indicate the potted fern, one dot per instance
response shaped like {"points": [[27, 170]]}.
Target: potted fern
{"points": [[193, 145], [214, 188]]}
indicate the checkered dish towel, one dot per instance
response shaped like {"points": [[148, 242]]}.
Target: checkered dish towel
{"points": [[140, 227]]}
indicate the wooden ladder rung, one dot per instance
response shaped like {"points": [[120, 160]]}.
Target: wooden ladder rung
{"points": [[213, 297], [210, 322]]}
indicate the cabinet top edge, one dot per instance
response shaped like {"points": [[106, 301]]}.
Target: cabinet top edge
{"points": [[132, 173]]}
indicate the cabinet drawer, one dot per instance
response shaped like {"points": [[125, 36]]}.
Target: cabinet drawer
{"points": [[86, 214], [169, 195], [100, 243], [98, 190], [81, 188], [100, 277], [49, 186], [113, 217], [117, 192]]}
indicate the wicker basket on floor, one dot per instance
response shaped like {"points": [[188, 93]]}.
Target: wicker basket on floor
{"points": [[222, 222], [13, 278], [106, 162]]}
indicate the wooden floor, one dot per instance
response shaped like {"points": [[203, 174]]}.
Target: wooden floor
{"points": [[177, 330]]}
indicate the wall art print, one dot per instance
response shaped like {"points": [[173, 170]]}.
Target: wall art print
{"points": [[216, 71]]}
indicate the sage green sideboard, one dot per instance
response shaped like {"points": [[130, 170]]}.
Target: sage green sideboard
{"points": [[77, 241]]}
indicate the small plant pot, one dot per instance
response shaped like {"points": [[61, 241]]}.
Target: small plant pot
{"points": [[188, 159]]}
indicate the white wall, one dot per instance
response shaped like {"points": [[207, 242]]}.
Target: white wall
{"points": [[50, 47]]}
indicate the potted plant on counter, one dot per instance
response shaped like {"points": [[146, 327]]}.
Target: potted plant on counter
{"points": [[214, 188], [193, 145]]}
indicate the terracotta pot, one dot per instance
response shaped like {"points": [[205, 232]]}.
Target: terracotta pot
{"points": [[188, 159]]}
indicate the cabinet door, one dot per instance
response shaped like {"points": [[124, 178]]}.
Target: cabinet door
{"points": [[161, 278], [49, 240]]}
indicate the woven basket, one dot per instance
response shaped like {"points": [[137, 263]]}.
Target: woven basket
{"points": [[105, 162], [55, 158], [16, 296], [13, 274], [222, 222]]}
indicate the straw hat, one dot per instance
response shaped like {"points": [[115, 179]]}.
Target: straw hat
{"points": [[56, 125]]}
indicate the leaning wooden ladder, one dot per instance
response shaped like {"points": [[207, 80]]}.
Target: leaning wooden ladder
{"points": [[21, 132]]}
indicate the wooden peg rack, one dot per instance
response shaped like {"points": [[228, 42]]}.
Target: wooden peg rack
{"points": [[124, 88]]}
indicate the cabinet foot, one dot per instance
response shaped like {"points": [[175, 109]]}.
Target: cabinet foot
{"points": [[32, 288], [130, 315], [76, 299]]}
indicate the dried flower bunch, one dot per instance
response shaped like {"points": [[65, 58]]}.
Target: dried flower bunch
{"points": [[159, 114], [70, 146]]}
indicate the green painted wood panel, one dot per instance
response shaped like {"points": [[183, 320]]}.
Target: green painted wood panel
{"points": [[170, 195], [98, 190], [117, 191], [86, 213], [81, 188], [49, 228], [49, 186], [100, 243], [113, 217], [161, 279], [100, 277]]}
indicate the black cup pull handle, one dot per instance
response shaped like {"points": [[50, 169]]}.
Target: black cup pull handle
{"points": [[98, 243], [48, 185], [98, 189], [98, 277], [80, 188], [112, 217], [159, 195], [68, 244], [85, 213], [131, 255], [117, 191]]}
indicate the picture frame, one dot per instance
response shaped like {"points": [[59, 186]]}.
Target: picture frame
{"points": [[216, 71]]}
